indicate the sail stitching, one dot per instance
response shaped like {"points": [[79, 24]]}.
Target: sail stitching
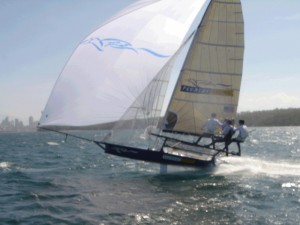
{"points": [[211, 72], [224, 21], [220, 45], [205, 102], [229, 3]]}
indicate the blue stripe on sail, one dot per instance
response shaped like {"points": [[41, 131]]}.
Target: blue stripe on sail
{"points": [[96, 46], [154, 53], [100, 44]]}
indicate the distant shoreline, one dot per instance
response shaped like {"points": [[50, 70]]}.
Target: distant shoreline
{"points": [[264, 118], [272, 118]]}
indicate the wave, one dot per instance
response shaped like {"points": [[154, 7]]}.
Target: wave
{"points": [[254, 166]]}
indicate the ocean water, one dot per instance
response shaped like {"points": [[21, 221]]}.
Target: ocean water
{"points": [[45, 180]]}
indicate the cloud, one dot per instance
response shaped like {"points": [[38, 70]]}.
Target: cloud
{"points": [[268, 101], [294, 17], [284, 98]]}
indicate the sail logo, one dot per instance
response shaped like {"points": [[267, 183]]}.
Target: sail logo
{"points": [[207, 87], [101, 44], [195, 90]]}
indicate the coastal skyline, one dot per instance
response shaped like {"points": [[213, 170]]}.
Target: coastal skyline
{"points": [[38, 37]]}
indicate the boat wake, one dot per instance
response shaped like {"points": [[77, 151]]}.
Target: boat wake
{"points": [[254, 166]]}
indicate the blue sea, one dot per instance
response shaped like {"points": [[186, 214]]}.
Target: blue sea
{"points": [[47, 180]]}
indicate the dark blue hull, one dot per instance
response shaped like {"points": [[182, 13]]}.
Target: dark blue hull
{"points": [[161, 156]]}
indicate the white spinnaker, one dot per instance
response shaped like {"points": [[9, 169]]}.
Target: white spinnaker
{"points": [[114, 64]]}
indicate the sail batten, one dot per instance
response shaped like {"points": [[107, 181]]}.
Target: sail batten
{"points": [[220, 45], [203, 102], [233, 2], [228, 22], [212, 72]]}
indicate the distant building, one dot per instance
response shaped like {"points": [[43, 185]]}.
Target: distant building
{"points": [[30, 122], [17, 125]]}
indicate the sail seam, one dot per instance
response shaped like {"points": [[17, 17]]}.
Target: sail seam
{"points": [[228, 3], [220, 45], [209, 72], [224, 21], [197, 102]]}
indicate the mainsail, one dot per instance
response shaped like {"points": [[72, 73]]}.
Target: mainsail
{"points": [[210, 79]]}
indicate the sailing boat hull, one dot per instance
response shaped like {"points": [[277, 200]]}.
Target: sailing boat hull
{"points": [[164, 156]]}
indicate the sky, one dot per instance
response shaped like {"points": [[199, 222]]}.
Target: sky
{"points": [[37, 37]]}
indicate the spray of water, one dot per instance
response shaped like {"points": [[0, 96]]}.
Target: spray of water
{"points": [[6, 164], [254, 166]]}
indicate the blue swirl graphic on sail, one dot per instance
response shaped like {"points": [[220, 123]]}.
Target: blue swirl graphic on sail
{"points": [[101, 44]]}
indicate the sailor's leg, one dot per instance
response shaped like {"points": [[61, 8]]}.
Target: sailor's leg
{"points": [[226, 148], [239, 147], [227, 143], [213, 141]]}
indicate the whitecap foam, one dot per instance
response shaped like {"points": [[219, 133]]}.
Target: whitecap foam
{"points": [[52, 143], [5, 165]]}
